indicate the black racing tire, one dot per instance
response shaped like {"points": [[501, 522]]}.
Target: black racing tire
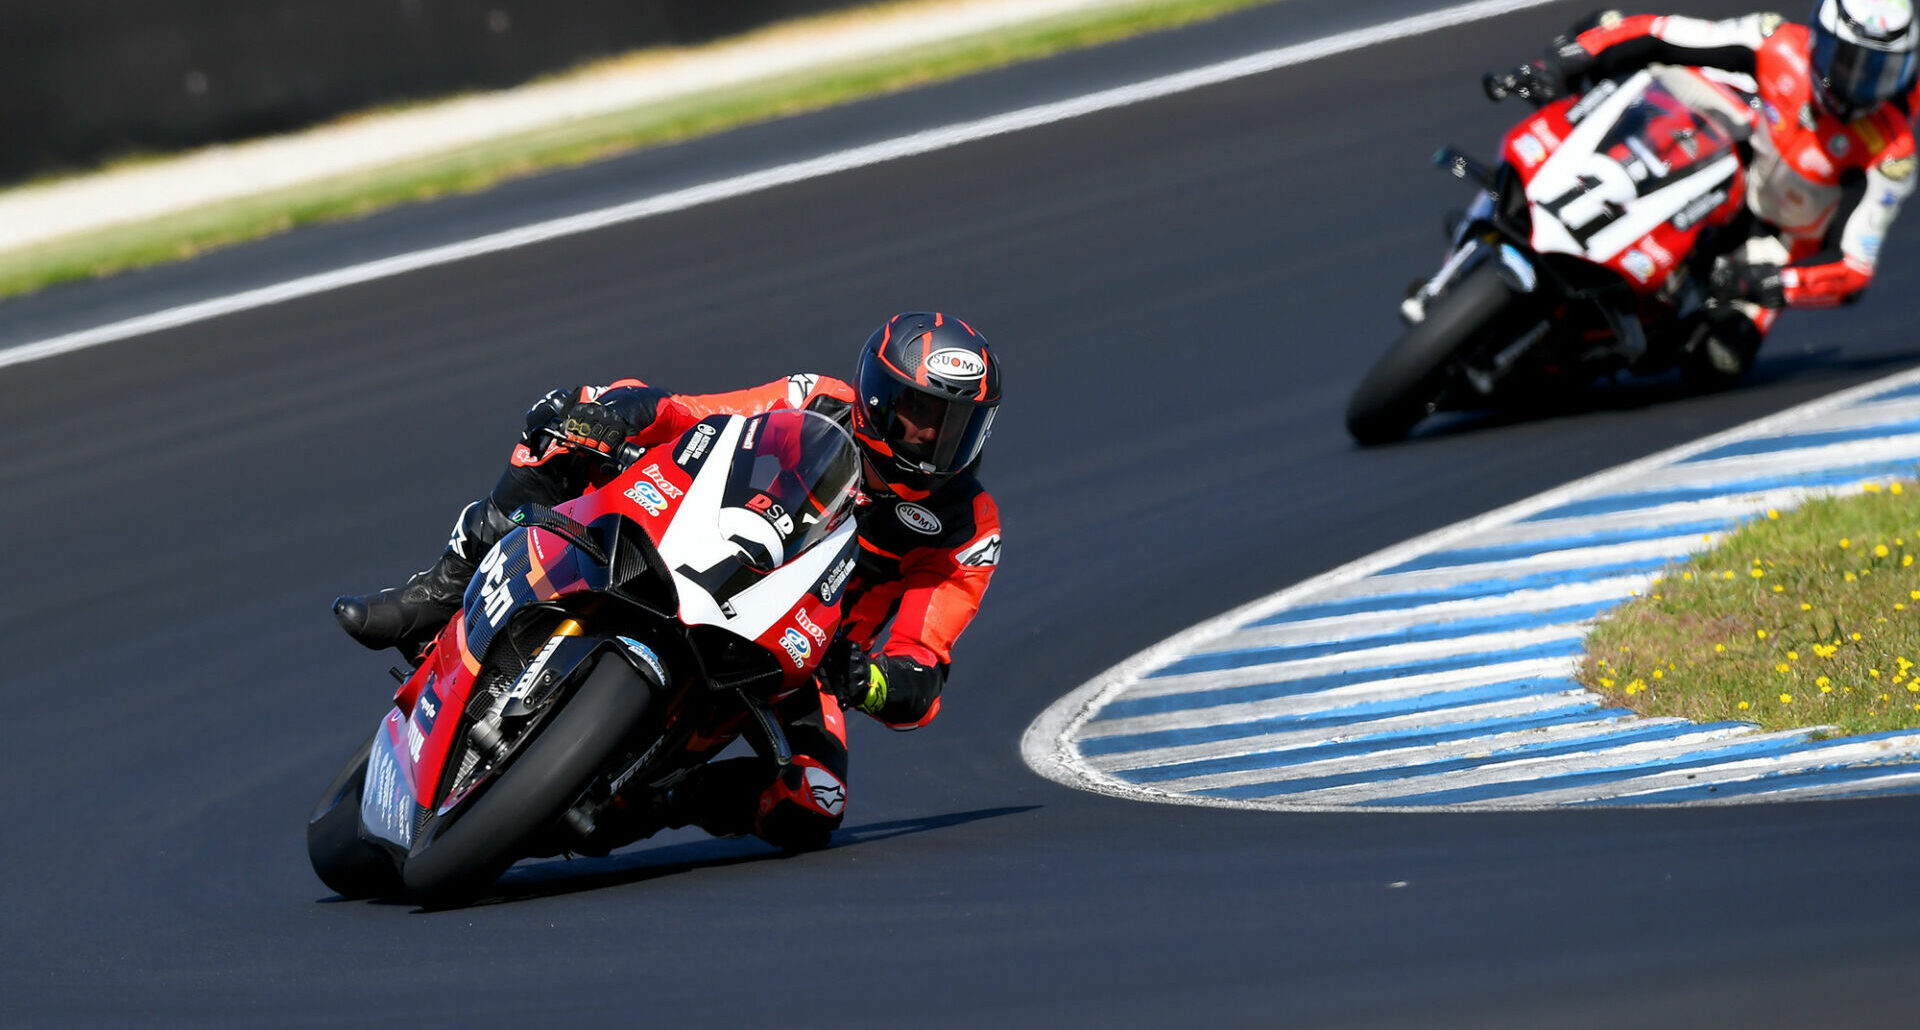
{"points": [[346, 862], [458, 861], [1396, 392]]}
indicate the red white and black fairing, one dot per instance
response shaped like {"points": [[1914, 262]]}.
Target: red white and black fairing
{"points": [[711, 565]]}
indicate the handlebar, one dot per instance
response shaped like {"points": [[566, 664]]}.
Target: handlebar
{"points": [[626, 455]]}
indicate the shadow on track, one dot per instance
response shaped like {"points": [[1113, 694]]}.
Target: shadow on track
{"points": [[557, 877], [1633, 394]]}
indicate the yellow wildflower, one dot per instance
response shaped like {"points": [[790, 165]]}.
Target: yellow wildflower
{"points": [[1757, 573], [1743, 706], [1760, 634], [1719, 648], [1786, 699], [1805, 607], [1782, 667], [1845, 543], [1879, 550], [1773, 514], [1793, 656]]}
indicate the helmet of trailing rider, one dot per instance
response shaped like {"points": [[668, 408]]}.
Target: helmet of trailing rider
{"points": [[1862, 53], [929, 388]]}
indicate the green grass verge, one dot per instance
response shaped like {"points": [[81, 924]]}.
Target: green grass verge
{"points": [[1803, 618], [474, 168]]}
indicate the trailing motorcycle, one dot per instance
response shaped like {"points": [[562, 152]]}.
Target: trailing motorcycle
{"points": [[607, 647], [1584, 254]]}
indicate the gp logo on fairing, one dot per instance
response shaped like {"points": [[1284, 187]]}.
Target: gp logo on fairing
{"points": [[955, 363]]}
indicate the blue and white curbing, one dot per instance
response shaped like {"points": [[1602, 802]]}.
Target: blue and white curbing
{"points": [[1437, 675]]}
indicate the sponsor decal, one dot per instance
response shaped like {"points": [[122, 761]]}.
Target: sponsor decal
{"points": [[955, 363], [697, 443], [773, 512], [835, 580], [1544, 130], [918, 519], [1897, 169], [985, 553], [726, 609], [752, 433], [383, 797], [796, 646], [646, 655], [530, 678], [495, 595], [1772, 113], [1890, 199], [415, 741], [1595, 97], [1812, 162], [827, 792], [427, 710], [1657, 252], [660, 480], [1638, 265], [1870, 247], [1698, 208], [1839, 145], [819, 635], [798, 387], [647, 496], [1530, 150]]}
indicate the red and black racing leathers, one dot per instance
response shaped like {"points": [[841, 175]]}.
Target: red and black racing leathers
{"points": [[925, 561], [1822, 192]]}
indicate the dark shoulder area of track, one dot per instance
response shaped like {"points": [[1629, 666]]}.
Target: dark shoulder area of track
{"points": [[1182, 292]]}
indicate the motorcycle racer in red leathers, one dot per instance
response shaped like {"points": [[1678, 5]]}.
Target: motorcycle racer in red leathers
{"points": [[929, 535], [1833, 154]]}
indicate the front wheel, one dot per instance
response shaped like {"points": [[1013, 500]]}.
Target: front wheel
{"points": [[1400, 388], [472, 851], [346, 862]]}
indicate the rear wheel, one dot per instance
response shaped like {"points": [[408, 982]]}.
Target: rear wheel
{"points": [[461, 859], [1401, 387], [345, 862]]}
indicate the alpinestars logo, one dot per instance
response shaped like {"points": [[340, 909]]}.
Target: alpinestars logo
{"points": [[827, 791], [985, 553], [799, 388]]}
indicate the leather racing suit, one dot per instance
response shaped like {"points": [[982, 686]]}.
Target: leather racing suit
{"points": [[1821, 192], [924, 563]]}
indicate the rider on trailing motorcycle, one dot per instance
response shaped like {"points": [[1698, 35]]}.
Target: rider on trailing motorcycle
{"points": [[1830, 170], [929, 536]]}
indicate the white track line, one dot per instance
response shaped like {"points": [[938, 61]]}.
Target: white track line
{"points": [[912, 145]]}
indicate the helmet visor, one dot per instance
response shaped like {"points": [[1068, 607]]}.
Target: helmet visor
{"points": [[924, 432], [1857, 78]]}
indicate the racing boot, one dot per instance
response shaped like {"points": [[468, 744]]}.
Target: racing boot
{"points": [[408, 616]]}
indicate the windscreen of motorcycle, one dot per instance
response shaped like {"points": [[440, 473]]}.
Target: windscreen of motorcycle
{"points": [[793, 473], [769, 510]]}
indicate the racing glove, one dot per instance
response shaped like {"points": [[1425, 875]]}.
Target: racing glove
{"points": [[1756, 284], [594, 426]]}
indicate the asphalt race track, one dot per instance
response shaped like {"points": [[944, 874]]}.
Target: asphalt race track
{"points": [[1183, 292]]}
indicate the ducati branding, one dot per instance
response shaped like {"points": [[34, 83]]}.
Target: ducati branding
{"points": [[647, 496], [984, 554], [796, 646], [955, 363], [918, 519], [660, 480]]}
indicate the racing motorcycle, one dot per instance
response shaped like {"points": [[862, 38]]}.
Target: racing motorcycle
{"points": [[606, 648], [1584, 254]]}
